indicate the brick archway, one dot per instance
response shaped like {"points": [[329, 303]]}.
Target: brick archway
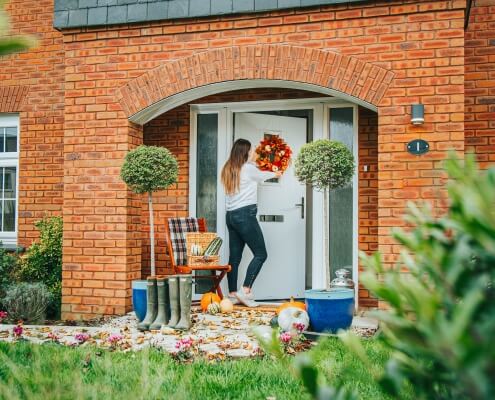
{"points": [[364, 82]]}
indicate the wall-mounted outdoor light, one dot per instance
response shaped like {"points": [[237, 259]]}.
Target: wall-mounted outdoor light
{"points": [[417, 114]]}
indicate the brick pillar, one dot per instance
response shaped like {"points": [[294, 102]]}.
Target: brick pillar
{"points": [[102, 246]]}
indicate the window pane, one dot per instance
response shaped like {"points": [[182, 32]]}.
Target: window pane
{"points": [[10, 181], [206, 181], [9, 216], [2, 140], [341, 200], [11, 140]]}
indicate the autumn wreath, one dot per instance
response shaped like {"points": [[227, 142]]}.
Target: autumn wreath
{"points": [[273, 154]]}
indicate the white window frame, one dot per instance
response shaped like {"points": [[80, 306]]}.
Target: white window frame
{"points": [[11, 159]]}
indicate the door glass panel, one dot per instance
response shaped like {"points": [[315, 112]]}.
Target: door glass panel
{"points": [[206, 180], [341, 200]]}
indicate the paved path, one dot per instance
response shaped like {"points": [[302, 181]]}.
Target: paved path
{"points": [[216, 336]]}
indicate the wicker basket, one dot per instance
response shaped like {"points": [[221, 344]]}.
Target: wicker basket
{"points": [[203, 239]]}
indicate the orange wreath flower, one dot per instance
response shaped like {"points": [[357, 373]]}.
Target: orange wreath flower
{"points": [[273, 154]]}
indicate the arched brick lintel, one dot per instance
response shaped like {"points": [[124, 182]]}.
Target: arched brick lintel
{"points": [[349, 76]]}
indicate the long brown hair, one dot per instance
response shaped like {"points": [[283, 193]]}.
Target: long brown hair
{"points": [[231, 171]]}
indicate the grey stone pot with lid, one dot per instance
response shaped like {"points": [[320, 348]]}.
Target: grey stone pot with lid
{"points": [[343, 279]]}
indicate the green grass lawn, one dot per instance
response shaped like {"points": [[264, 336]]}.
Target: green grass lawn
{"points": [[54, 372]]}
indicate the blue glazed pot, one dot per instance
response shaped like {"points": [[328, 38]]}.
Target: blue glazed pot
{"points": [[139, 299], [330, 310]]}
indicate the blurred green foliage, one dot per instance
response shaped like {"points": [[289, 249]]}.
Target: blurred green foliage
{"points": [[11, 44], [441, 321]]}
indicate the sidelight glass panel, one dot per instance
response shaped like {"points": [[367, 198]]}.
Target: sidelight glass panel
{"points": [[207, 169], [341, 200], [206, 180]]}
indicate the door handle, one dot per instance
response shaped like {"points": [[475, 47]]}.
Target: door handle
{"points": [[301, 204]]}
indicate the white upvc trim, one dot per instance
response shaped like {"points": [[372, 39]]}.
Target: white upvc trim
{"points": [[269, 105], [187, 96], [355, 208], [193, 159], [320, 107], [11, 160], [320, 131]]}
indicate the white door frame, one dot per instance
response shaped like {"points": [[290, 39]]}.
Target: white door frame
{"points": [[320, 107]]}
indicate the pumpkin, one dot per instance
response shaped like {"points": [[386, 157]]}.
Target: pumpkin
{"points": [[209, 298], [291, 303], [213, 308], [226, 306], [291, 317]]}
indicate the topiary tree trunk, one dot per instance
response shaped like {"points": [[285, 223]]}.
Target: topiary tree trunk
{"points": [[152, 232], [326, 233]]}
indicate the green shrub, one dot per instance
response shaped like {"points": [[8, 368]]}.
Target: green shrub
{"points": [[43, 261], [8, 265], [441, 322], [325, 164], [27, 302]]}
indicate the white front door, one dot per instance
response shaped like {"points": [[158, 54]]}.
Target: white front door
{"points": [[281, 211]]}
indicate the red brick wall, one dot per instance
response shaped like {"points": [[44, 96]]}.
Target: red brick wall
{"points": [[32, 84], [170, 130], [480, 81]]}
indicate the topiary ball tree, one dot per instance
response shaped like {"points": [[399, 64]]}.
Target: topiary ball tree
{"points": [[147, 169], [325, 165]]}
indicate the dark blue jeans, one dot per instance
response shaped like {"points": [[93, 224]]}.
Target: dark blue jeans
{"points": [[244, 229]]}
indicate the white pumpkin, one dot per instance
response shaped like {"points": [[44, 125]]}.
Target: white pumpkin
{"points": [[226, 306], [290, 316]]}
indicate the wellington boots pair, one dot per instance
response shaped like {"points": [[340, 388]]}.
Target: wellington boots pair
{"points": [[151, 304], [180, 290], [163, 314]]}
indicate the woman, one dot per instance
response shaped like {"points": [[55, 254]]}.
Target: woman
{"points": [[240, 178]]}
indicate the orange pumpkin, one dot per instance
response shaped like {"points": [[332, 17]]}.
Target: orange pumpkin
{"points": [[291, 303], [209, 298]]}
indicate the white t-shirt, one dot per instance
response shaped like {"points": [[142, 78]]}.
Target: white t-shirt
{"points": [[248, 186]]}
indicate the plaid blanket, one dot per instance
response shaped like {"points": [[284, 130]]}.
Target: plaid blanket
{"points": [[178, 229]]}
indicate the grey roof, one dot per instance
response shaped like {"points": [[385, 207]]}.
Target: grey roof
{"points": [[79, 13]]}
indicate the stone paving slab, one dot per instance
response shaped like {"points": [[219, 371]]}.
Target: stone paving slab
{"points": [[216, 336]]}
